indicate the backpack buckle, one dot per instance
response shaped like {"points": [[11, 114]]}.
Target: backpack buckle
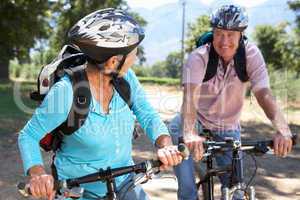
{"points": [[81, 100]]}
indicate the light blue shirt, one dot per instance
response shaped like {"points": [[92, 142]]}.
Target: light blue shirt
{"points": [[105, 140]]}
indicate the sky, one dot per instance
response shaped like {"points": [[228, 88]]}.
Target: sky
{"points": [[156, 3]]}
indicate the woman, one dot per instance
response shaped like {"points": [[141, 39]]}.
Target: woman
{"points": [[109, 38]]}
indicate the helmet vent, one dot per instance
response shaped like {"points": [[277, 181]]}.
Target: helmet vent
{"points": [[104, 27]]}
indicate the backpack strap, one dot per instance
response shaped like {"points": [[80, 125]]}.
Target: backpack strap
{"points": [[240, 62], [81, 101], [205, 38], [123, 88], [212, 64]]}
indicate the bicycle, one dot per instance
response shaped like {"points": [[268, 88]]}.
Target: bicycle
{"points": [[70, 188], [237, 184]]}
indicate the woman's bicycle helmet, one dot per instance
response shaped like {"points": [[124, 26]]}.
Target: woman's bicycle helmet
{"points": [[106, 33]]}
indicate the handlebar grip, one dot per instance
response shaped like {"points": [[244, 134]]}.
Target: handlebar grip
{"points": [[24, 189], [184, 150], [155, 163], [294, 139], [180, 140]]}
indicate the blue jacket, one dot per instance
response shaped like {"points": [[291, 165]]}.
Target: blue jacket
{"points": [[105, 140]]}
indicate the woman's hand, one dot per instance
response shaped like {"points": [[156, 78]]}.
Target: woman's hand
{"points": [[41, 184], [169, 156], [167, 153]]}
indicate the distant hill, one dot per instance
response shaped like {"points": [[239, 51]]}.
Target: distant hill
{"points": [[163, 32]]}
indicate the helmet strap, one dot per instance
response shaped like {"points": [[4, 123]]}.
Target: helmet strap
{"points": [[101, 66], [121, 63], [119, 66]]}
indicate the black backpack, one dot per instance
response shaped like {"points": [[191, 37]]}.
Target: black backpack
{"points": [[71, 61], [212, 65]]}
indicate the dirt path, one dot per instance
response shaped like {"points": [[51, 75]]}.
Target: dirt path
{"points": [[276, 179]]}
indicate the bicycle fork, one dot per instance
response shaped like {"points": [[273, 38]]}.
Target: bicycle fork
{"points": [[238, 188], [228, 194]]}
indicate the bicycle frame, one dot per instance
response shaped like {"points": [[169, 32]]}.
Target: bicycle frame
{"points": [[236, 169], [237, 176]]}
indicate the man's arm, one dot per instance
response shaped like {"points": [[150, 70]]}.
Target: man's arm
{"points": [[189, 119], [282, 140], [189, 109]]}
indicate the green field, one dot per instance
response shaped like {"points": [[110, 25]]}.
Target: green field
{"points": [[12, 118]]}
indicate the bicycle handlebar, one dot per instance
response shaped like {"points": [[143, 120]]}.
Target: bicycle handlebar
{"points": [[102, 175], [256, 145]]}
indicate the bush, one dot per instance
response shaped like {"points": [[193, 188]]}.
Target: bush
{"points": [[161, 81], [27, 72], [141, 70], [285, 84]]}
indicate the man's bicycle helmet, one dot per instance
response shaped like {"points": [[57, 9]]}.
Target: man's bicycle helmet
{"points": [[106, 33], [230, 17]]}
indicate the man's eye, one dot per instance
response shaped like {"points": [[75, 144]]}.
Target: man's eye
{"points": [[218, 34]]}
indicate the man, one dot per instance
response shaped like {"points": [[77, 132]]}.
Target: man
{"points": [[214, 93]]}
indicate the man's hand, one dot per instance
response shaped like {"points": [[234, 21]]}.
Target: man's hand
{"points": [[282, 145], [195, 145]]}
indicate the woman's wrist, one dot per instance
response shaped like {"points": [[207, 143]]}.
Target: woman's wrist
{"points": [[36, 170], [163, 141]]}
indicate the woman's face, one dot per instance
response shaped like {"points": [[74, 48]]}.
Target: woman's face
{"points": [[226, 43], [130, 60], [112, 63]]}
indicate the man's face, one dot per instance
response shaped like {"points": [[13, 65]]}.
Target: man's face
{"points": [[226, 43]]}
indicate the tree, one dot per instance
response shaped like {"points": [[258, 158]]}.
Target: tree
{"points": [[273, 43], [196, 29], [158, 69], [295, 6], [22, 23], [173, 65], [70, 11], [142, 71]]}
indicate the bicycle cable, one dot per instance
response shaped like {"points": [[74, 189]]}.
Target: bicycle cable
{"points": [[255, 171]]}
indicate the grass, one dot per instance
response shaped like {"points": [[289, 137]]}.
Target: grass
{"points": [[160, 81], [12, 116]]}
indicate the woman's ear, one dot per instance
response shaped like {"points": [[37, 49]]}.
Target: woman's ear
{"points": [[112, 63]]}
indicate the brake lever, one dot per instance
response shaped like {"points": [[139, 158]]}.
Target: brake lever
{"points": [[74, 192], [261, 149]]}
